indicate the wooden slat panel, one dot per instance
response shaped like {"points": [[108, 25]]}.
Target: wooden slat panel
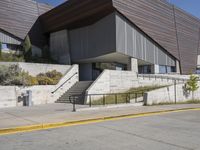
{"points": [[18, 16], [188, 40]]}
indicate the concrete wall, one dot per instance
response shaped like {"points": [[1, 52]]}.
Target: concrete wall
{"points": [[36, 68], [132, 42], [167, 95], [111, 81], [94, 40], [8, 96], [114, 81], [40, 94], [59, 47]]}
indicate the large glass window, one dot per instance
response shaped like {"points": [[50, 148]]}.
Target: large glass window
{"points": [[145, 69], [97, 68], [162, 69], [198, 71]]}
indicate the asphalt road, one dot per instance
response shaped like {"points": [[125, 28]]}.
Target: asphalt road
{"points": [[173, 131]]}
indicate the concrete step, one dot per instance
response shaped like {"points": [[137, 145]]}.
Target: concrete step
{"points": [[78, 89]]}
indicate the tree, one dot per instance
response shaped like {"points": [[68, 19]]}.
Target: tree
{"points": [[0, 48], [27, 47], [192, 84]]}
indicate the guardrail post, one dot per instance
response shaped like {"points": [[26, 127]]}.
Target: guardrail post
{"points": [[104, 102], [90, 101], [74, 105], [135, 97], [115, 98], [175, 91], [126, 98]]}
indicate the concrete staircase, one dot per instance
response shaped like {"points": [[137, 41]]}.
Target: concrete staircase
{"points": [[78, 89]]}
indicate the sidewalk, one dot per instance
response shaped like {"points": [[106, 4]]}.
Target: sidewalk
{"points": [[53, 113]]}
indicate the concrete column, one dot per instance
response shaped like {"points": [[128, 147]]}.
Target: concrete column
{"points": [[155, 69], [133, 65], [178, 70]]}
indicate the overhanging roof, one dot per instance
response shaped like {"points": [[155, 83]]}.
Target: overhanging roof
{"points": [[173, 29]]}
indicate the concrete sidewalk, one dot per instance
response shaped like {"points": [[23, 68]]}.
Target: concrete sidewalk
{"points": [[53, 113]]}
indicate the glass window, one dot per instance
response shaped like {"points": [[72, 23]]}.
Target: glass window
{"points": [[162, 69]]}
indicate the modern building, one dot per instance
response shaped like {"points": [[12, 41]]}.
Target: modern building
{"points": [[151, 36]]}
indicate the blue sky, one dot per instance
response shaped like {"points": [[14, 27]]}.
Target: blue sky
{"points": [[191, 6]]}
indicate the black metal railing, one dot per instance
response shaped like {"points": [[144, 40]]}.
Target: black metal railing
{"points": [[64, 83], [162, 78], [106, 99]]}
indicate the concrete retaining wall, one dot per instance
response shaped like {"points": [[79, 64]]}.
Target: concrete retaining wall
{"points": [[167, 95], [8, 96], [111, 81], [36, 68], [40, 94]]}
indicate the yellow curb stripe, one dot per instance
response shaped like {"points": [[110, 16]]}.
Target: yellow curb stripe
{"points": [[88, 121]]}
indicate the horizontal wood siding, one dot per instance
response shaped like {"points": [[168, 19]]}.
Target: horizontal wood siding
{"points": [[188, 40], [18, 16]]}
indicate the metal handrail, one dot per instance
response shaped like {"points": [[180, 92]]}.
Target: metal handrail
{"points": [[162, 77], [73, 98], [64, 83]]}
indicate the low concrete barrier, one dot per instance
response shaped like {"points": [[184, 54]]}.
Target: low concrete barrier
{"points": [[170, 94]]}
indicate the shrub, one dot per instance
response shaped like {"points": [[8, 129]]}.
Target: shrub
{"points": [[13, 75], [0, 48], [192, 84], [27, 47], [11, 57], [44, 80], [49, 78]]}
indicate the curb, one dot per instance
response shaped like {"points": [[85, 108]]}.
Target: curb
{"points": [[7, 131]]}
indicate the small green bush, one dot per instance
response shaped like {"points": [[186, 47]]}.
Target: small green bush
{"points": [[43, 80], [11, 57], [13, 75], [0, 48], [49, 78]]}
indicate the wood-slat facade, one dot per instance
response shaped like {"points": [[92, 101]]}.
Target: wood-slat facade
{"points": [[18, 16]]}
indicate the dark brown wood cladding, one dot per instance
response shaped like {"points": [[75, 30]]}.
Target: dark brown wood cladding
{"points": [[188, 40], [199, 43], [18, 16], [76, 13]]}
